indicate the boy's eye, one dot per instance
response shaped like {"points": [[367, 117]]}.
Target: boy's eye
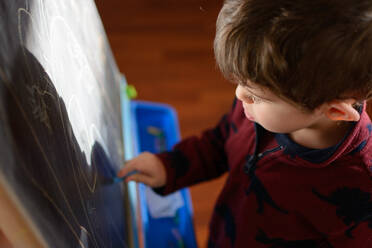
{"points": [[256, 99]]}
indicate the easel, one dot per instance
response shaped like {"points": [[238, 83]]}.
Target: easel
{"points": [[14, 224]]}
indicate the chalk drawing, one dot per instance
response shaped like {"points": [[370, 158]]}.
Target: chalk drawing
{"points": [[76, 73], [39, 107]]}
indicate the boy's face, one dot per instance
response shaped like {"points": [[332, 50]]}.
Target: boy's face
{"points": [[271, 112]]}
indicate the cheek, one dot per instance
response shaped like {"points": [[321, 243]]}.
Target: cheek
{"points": [[273, 122], [278, 120]]}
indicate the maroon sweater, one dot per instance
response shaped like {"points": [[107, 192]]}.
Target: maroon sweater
{"points": [[279, 194]]}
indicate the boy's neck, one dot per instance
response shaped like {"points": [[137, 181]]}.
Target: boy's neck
{"points": [[321, 135]]}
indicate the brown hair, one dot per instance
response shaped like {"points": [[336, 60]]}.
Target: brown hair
{"points": [[306, 51]]}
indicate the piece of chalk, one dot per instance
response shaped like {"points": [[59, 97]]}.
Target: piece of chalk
{"points": [[120, 179]]}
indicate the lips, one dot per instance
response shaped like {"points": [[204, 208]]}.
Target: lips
{"points": [[249, 117]]}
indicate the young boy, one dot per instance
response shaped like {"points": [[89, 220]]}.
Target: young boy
{"points": [[297, 142]]}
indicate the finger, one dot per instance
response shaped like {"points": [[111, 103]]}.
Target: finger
{"points": [[146, 179], [128, 167], [142, 178]]}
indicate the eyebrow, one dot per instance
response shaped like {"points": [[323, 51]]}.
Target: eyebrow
{"points": [[247, 88]]}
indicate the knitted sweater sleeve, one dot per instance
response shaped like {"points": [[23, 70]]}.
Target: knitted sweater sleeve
{"points": [[196, 159]]}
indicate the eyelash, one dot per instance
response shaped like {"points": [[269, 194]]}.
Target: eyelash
{"points": [[255, 99], [252, 97]]}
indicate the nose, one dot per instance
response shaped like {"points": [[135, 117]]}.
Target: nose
{"points": [[242, 95]]}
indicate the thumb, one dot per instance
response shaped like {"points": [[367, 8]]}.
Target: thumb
{"points": [[141, 178]]}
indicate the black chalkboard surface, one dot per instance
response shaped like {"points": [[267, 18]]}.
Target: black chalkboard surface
{"points": [[60, 123]]}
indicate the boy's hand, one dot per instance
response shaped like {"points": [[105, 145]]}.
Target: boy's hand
{"points": [[150, 169]]}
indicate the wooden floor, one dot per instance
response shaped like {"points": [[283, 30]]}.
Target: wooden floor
{"points": [[164, 47]]}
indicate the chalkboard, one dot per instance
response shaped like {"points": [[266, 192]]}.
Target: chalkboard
{"points": [[60, 123]]}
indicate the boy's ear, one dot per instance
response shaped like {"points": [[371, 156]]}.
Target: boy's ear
{"points": [[341, 110]]}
